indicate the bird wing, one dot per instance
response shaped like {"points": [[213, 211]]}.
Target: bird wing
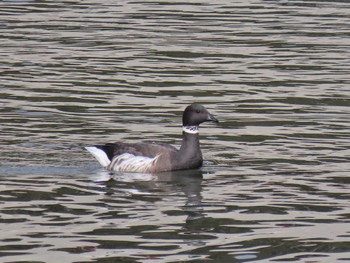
{"points": [[146, 149]]}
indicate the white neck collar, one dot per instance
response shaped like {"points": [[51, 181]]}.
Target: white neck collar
{"points": [[190, 129]]}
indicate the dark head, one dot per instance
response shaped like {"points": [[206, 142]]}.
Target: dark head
{"points": [[195, 114]]}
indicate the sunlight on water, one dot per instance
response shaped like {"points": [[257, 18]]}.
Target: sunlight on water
{"points": [[274, 186]]}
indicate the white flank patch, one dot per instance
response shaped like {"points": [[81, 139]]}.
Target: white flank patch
{"points": [[100, 155], [190, 129], [127, 162]]}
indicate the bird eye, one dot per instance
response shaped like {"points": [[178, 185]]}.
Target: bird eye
{"points": [[198, 111]]}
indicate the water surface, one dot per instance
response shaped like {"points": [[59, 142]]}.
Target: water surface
{"points": [[275, 183]]}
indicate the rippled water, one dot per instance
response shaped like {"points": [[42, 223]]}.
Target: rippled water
{"points": [[275, 183]]}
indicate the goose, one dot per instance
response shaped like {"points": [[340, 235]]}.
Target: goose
{"points": [[152, 157]]}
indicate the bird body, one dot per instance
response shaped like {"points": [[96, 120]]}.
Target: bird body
{"points": [[157, 157]]}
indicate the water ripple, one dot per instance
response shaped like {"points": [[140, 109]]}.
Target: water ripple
{"points": [[274, 186]]}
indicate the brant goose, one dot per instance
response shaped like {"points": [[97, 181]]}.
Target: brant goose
{"points": [[157, 157]]}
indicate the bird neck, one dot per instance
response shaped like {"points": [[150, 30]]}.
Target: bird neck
{"points": [[190, 129], [189, 155], [190, 140]]}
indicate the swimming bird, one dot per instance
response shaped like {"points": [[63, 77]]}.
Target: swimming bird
{"points": [[154, 157]]}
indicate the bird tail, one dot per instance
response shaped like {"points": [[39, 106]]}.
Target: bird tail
{"points": [[99, 154]]}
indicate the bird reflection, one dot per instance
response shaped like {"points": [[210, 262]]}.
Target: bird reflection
{"points": [[190, 182], [151, 185]]}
